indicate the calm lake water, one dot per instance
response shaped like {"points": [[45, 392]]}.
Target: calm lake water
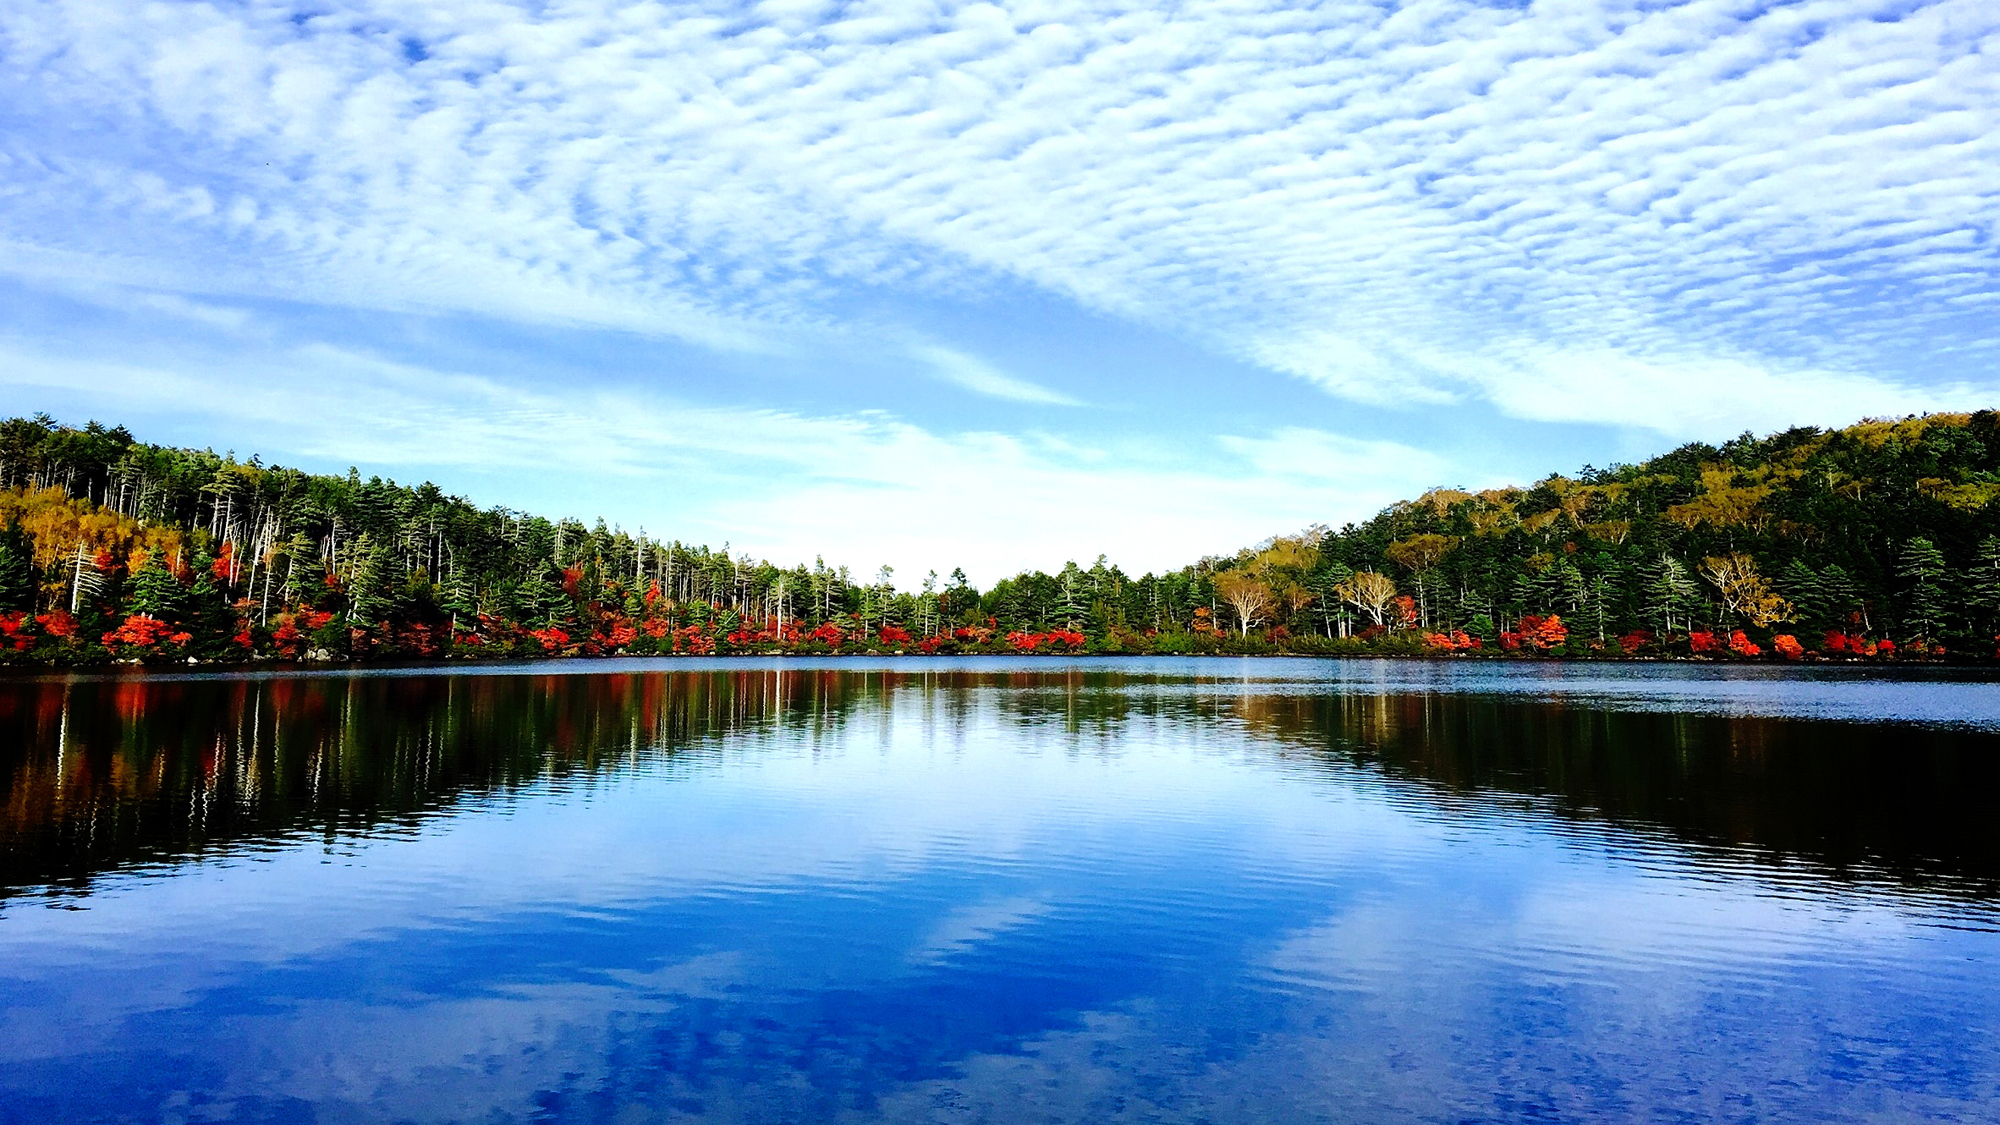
{"points": [[1141, 890]]}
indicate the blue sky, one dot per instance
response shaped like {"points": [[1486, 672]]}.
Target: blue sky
{"points": [[958, 284]]}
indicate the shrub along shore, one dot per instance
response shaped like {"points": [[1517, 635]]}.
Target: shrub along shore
{"points": [[1877, 543]]}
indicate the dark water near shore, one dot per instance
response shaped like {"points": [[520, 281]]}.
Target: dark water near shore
{"points": [[1157, 890]]}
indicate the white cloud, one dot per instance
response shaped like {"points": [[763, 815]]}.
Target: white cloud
{"points": [[1375, 199], [861, 488], [1697, 395], [1371, 373], [213, 315], [980, 377], [1296, 452]]}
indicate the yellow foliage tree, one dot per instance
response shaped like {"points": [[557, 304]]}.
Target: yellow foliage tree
{"points": [[1723, 502], [1419, 552], [1249, 596], [58, 525], [1369, 592], [1744, 591]]}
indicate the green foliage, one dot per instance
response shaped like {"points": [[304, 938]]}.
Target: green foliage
{"points": [[1922, 571], [540, 600], [376, 594], [1886, 527], [17, 569], [1982, 588], [1672, 597], [156, 592]]}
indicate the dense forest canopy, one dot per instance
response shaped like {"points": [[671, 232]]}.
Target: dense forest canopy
{"points": [[1880, 540]]}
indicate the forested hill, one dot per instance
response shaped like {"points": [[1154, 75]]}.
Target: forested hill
{"points": [[1884, 531], [1879, 541]]}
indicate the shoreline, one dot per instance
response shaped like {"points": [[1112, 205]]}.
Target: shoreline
{"points": [[191, 665]]}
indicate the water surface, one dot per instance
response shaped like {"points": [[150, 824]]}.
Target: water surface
{"points": [[1136, 890]]}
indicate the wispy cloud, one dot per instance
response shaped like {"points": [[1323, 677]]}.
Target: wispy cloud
{"points": [[1347, 463], [860, 488], [980, 377], [1384, 200]]}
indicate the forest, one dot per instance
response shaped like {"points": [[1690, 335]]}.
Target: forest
{"points": [[1876, 542]]}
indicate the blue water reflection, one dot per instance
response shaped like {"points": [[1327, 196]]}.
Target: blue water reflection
{"points": [[1158, 891]]}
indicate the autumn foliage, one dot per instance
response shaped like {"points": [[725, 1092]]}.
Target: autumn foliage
{"points": [[1803, 546], [1536, 634]]}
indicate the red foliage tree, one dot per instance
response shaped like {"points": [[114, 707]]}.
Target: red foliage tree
{"points": [[142, 632], [14, 632], [1538, 633], [57, 623]]}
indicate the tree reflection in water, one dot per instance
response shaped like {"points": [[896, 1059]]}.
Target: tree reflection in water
{"points": [[102, 774]]}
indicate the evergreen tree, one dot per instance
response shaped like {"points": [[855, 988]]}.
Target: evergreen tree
{"points": [[17, 570], [1539, 590], [377, 579], [301, 575], [1841, 604], [461, 602], [540, 602], [1982, 586], [1672, 596], [156, 592], [1597, 612], [1071, 586], [1800, 585], [1571, 591], [1925, 601], [204, 613], [1324, 584]]}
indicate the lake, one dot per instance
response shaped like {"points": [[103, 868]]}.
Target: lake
{"points": [[1001, 891]]}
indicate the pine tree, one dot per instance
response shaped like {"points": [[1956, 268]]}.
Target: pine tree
{"points": [[1841, 604], [1070, 583], [375, 596], [204, 614], [461, 601], [539, 601], [1536, 591], [301, 570], [1800, 585], [1597, 611], [156, 592], [1325, 586], [1982, 586], [1572, 593], [17, 570], [1672, 596], [1922, 572]]}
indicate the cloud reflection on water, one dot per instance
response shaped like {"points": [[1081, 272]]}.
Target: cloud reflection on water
{"points": [[1031, 895]]}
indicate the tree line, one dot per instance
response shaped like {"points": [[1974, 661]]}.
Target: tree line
{"points": [[1877, 541]]}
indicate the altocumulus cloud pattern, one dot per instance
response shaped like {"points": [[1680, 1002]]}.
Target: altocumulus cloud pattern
{"points": [[1673, 216]]}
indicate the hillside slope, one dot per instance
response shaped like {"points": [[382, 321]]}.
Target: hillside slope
{"points": [[1881, 529]]}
